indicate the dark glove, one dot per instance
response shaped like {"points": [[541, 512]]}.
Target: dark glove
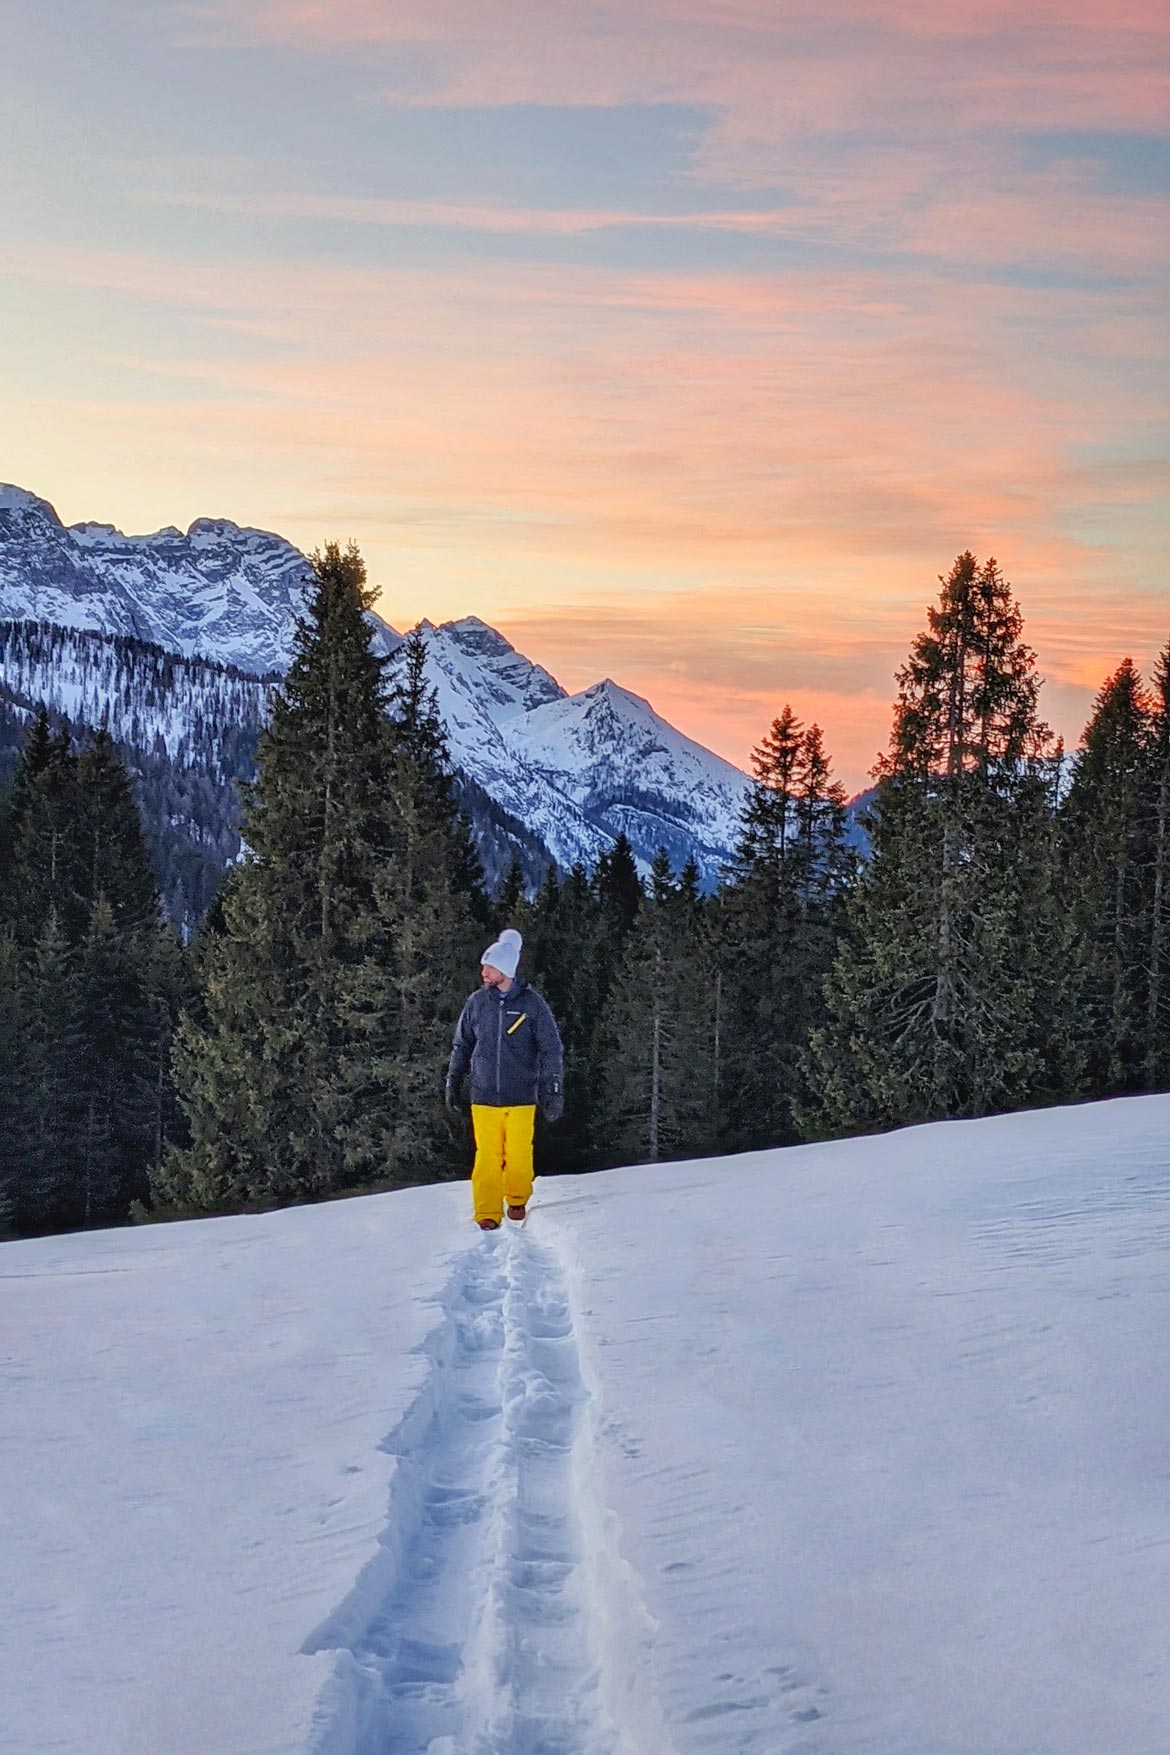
{"points": [[454, 1102], [552, 1101]]}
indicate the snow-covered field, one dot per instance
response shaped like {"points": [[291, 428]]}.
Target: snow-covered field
{"points": [[854, 1449]]}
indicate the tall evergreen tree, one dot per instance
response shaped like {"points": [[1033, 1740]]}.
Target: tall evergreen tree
{"points": [[168, 976], [270, 1065], [46, 862], [113, 1094], [777, 926], [654, 1097], [85, 940], [1107, 819], [313, 1060], [619, 891], [770, 827], [420, 738], [511, 895], [948, 997], [827, 863], [113, 856], [1157, 1010], [431, 895], [16, 1082], [570, 962]]}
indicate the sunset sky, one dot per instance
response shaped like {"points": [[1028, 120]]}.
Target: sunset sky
{"points": [[685, 341]]}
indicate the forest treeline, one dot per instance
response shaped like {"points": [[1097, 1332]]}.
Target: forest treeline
{"points": [[1005, 943]]}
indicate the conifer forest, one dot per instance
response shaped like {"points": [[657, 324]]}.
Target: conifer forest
{"points": [[1003, 942]]}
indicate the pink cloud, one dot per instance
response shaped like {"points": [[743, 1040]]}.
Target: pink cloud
{"points": [[737, 489], [769, 75], [1015, 219], [728, 489]]}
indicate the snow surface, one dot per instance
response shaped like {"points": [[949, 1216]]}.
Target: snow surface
{"points": [[852, 1449]]}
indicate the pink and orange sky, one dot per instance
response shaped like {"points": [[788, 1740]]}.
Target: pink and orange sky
{"points": [[686, 343]]}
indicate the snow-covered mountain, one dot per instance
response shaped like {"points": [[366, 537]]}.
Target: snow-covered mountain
{"points": [[849, 1448], [578, 769], [628, 769], [572, 771], [146, 697], [485, 689], [470, 662], [221, 591], [187, 729]]}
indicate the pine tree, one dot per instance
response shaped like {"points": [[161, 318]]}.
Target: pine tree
{"points": [[431, 895], [134, 970], [86, 934], [770, 827], [113, 1088], [1106, 817], [777, 929], [47, 865], [50, 1183], [169, 984], [565, 955], [273, 1067], [113, 856], [654, 1097], [511, 895], [234, 1055], [619, 891], [16, 1081], [1157, 1006], [620, 898], [420, 738], [938, 1003], [827, 863], [329, 989]]}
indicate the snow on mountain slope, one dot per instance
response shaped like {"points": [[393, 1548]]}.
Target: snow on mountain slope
{"points": [[851, 1449], [148, 698], [484, 689], [505, 682], [578, 769], [608, 749], [221, 591]]}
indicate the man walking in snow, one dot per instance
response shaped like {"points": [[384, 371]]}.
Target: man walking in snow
{"points": [[508, 1049]]}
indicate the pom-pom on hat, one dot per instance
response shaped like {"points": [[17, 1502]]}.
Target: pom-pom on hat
{"points": [[504, 955]]}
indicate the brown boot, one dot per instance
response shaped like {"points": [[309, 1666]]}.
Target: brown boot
{"points": [[517, 1213], [488, 1224]]}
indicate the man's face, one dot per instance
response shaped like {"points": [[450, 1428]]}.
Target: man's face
{"points": [[492, 977]]}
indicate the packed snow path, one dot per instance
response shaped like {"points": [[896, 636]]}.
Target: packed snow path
{"points": [[482, 1641]]}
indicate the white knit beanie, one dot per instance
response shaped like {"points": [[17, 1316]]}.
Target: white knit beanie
{"points": [[504, 955]]}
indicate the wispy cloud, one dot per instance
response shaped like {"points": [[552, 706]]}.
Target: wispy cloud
{"points": [[769, 74], [831, 292], [1014, 219]]}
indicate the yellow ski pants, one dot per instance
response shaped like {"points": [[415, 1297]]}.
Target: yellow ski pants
{"points": [[503, 1158]]}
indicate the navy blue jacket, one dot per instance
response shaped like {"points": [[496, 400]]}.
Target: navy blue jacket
{"points": [[510, 1045]]}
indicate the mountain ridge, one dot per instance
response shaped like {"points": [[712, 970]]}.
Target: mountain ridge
{"points": [[220, 590], [574, 770]]}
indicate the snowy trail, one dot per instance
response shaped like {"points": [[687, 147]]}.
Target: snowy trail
{"points": [[476, 1631]]}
